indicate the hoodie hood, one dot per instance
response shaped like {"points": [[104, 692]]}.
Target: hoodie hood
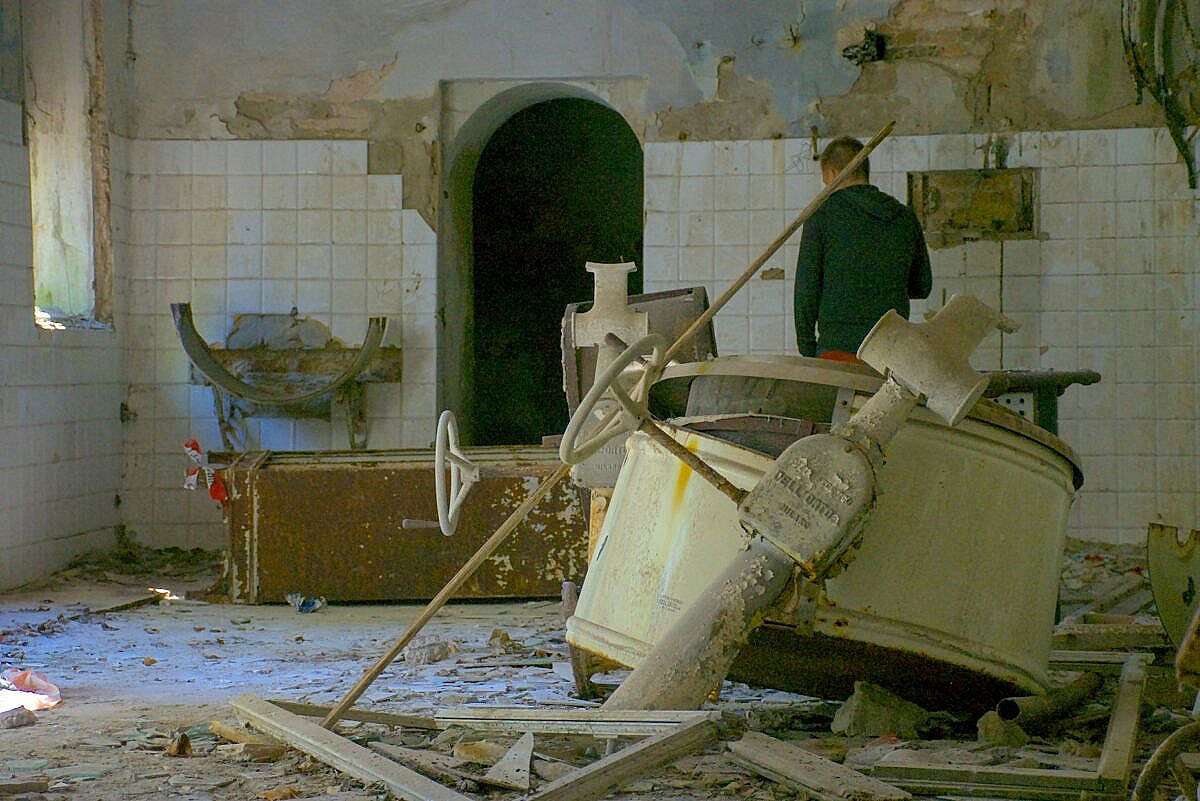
{"points": [[869, 200]]}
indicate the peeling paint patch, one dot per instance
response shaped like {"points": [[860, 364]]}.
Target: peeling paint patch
{"points": [[399, 131], [742, 108]]}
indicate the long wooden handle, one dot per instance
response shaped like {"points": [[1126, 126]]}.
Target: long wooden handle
{"points": [[711, 312], [439, 600]]}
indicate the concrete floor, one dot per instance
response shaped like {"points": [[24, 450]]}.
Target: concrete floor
{"points": [[131, 679]]}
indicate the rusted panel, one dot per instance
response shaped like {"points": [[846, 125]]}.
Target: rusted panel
{"points": [[330, 524], [954, 205]]}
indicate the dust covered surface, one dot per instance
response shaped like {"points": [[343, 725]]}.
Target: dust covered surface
{"points": [[132, 680]]}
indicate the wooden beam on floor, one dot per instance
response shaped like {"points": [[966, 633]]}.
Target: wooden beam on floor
{"points": [[1116, 758], [598, 722], [23, 786], [808, 773], [338, 752], [362, 715], [520, 719], [599, 778]]}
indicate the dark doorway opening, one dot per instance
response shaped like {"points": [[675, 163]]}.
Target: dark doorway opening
{"points": [[558, 184]]}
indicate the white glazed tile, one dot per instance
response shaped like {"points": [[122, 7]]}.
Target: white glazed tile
{"points": [[244, 261], [349, 192], [415, 231], [697, 159], [245, 158], [314, 261], [313, 297], [385, 227], [1135, 146], [279, 158], [348, 157], [280, 192], [313, 227], [315, 191], [1097, 148], [279, 261], [279, 227], [731, 158], [1135, 182], [208, 158], [349, 227], [350, 261]]}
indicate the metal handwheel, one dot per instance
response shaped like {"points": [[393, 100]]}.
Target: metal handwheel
{"points": [[631, 411], [463, 473], [1165, 776]]}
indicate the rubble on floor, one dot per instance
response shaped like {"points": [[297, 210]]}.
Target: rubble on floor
{"points": [[139, 671]]}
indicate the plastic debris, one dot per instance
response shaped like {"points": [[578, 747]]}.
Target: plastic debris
{"points": [[304, 603], [28, 688], [201, 468]]}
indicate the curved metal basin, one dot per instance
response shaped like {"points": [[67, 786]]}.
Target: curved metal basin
{"points": [[950, 600]]}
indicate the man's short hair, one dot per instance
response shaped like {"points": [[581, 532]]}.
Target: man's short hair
{"points": [[840, 151]]}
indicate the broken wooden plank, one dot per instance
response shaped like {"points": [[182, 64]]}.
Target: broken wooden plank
{"points": [[239, 734], [599, 722], [1116, 758], [252, 752], [1110, 637], [338, 752], [910, 776], [955, 789], [520, 719], [363, 715], [1107, 662], [810, 774], [434, 763], [20, 787], [603, 775], [512, 771]]}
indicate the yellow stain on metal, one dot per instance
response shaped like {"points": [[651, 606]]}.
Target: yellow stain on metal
{"points": [[684, 476]]}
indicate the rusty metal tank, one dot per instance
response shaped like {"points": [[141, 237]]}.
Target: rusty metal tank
{"points": [[951, 597]]}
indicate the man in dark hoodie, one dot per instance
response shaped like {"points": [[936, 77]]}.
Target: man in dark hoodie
{"points": [[862, 252]]}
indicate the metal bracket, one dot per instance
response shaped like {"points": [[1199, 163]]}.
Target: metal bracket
{"points": [[198, 351]]}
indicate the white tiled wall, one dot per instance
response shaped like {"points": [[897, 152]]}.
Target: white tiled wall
{"points": [[241, 226], [1110, 285], [60, 439]]}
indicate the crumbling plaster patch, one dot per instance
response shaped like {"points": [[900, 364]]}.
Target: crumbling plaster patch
{"points": [[742, 108], [1012, 65], [399, 132]]}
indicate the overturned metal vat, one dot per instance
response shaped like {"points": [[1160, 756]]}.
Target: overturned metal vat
{"points": [[951, 597]]}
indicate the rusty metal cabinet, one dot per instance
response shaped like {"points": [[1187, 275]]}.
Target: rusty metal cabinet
{"points": [[329, 523]]}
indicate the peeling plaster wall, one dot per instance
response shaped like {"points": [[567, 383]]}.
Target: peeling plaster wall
{"points": [[330, 69], [358, 69]]}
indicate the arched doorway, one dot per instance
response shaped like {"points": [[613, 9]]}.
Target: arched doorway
{"points": [[557, 185]]}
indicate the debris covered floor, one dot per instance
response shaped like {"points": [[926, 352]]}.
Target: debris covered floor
{"points": [[132, 679]]}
